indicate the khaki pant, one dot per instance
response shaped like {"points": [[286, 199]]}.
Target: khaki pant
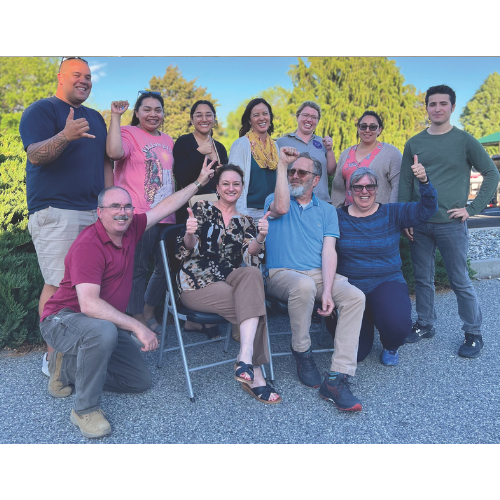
{"points": [[300, 289], [238, 298], [53, 231]]}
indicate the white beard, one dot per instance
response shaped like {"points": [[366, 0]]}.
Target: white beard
{"points": [[297, 191]]}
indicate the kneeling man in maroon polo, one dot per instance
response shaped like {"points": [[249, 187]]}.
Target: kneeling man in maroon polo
{"points": [[85, 320]]}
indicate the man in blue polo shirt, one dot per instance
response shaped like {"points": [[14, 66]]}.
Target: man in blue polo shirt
{"points": [[302, 261]]}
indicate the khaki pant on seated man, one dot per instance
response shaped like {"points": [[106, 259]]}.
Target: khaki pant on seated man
{"points": [[302, 260]]}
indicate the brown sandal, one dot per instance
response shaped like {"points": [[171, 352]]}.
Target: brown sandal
{"points": [[264, 392]]}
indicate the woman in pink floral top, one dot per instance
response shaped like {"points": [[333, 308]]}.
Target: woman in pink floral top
{"points": [[384, 159]]}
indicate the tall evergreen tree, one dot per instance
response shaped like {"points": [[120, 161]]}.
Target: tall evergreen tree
{"points": [[481, 115], [345, 87]]}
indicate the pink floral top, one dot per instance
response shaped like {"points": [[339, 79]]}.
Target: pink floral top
{"points": [[351, 165]]}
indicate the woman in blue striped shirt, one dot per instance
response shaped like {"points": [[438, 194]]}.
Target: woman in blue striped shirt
{"points": [[368, 254]]}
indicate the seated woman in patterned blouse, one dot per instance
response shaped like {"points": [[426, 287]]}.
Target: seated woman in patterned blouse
{"points": [[217, 240]]}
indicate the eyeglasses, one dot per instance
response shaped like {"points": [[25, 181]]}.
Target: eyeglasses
{"points": [[116, 207], [72, 57], [364, 126], [309, 117], [206, 116], [147, 92], [358, 188], [301, 173]]}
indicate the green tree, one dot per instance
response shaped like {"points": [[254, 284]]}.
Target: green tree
{"points": [[24, 80], [179, 95], [283, 111], [345, 87], [481, 115]]}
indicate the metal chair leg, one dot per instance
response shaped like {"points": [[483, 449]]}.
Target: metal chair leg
{"points": [[321, 331], [229, 328], [271, 366], [163, 332]]}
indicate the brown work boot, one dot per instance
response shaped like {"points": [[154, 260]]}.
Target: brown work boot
{"points": [[56, 387], [92, 425]]}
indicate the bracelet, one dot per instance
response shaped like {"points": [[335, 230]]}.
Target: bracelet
{"points": [[260, 242], [197, 184]]}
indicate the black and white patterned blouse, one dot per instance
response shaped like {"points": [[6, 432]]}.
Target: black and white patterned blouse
{"points": [[218, 251]]}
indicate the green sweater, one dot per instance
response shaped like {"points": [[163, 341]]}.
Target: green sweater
{"points": [[448, 159]]}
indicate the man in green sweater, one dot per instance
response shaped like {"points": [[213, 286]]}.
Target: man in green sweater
{"points": [[448, 154]]}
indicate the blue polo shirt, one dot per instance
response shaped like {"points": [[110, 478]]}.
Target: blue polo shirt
{"points": [[295, 240]]}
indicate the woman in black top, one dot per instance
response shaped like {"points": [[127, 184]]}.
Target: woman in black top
{"points": [[190, 151]]}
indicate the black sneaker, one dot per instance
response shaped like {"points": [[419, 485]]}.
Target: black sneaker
{"points": [[338, 392], [471, 348], [306, 368], [419, 332]]}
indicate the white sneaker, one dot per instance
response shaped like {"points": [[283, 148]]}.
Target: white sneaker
{"points": [[45, 365]]}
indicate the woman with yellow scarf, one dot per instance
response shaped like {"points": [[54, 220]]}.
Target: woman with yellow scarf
{"points": [[257, 155]]}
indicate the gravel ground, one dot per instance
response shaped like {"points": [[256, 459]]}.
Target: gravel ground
{"points": [[433, 396], [484, 244]]}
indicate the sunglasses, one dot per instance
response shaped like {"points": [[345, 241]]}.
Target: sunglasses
{"points": [[358, 188], [148, 92], [364, 126], [72, 57], [301, 173]]}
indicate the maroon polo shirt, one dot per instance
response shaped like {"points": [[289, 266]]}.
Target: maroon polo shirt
{"points": [[94, 258]]}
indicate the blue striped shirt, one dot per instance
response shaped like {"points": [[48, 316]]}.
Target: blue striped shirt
{"points": [[368, 250]]}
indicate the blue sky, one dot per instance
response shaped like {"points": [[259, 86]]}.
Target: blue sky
{"points": [[232, 80]]}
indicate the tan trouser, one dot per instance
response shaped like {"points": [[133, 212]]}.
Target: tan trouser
{"points": [[53, 231], [300, 289], [238, 298]]}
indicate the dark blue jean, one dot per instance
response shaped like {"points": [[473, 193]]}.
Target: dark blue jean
{"points": [[388, 308], [452, 239]]}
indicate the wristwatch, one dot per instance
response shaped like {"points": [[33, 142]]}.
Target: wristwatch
{"points": [[197, 184]]}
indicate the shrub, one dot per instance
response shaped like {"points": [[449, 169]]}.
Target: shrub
{"points": [[20, 278]]}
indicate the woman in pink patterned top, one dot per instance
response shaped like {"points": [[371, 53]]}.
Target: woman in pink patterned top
{"points": [[384, 159], [144, 167]]}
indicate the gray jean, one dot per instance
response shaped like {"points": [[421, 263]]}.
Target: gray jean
{"points": [[97, 356], [452, 240]]}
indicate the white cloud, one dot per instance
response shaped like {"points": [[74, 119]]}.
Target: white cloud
{"points": [[96, 74]]}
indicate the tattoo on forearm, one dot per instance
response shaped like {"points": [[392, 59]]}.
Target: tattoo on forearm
{"points": [[47, 151]]}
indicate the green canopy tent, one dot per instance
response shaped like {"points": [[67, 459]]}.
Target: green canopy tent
{"points": [[491, 140]]}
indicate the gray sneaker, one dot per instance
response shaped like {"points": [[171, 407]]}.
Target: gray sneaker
{"points": [[338, 392], [55, 386], [419, 332], [91, 425]]}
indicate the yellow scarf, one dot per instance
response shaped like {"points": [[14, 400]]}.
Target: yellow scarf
{"points": [[265, 156]]}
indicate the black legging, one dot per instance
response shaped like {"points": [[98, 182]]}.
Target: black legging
{"points": [[388, 308]]}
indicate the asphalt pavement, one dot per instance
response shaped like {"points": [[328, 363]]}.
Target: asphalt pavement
{"points": [[433, 396]]}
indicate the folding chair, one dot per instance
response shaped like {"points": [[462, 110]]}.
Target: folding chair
{"points": [[178, 311]]}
